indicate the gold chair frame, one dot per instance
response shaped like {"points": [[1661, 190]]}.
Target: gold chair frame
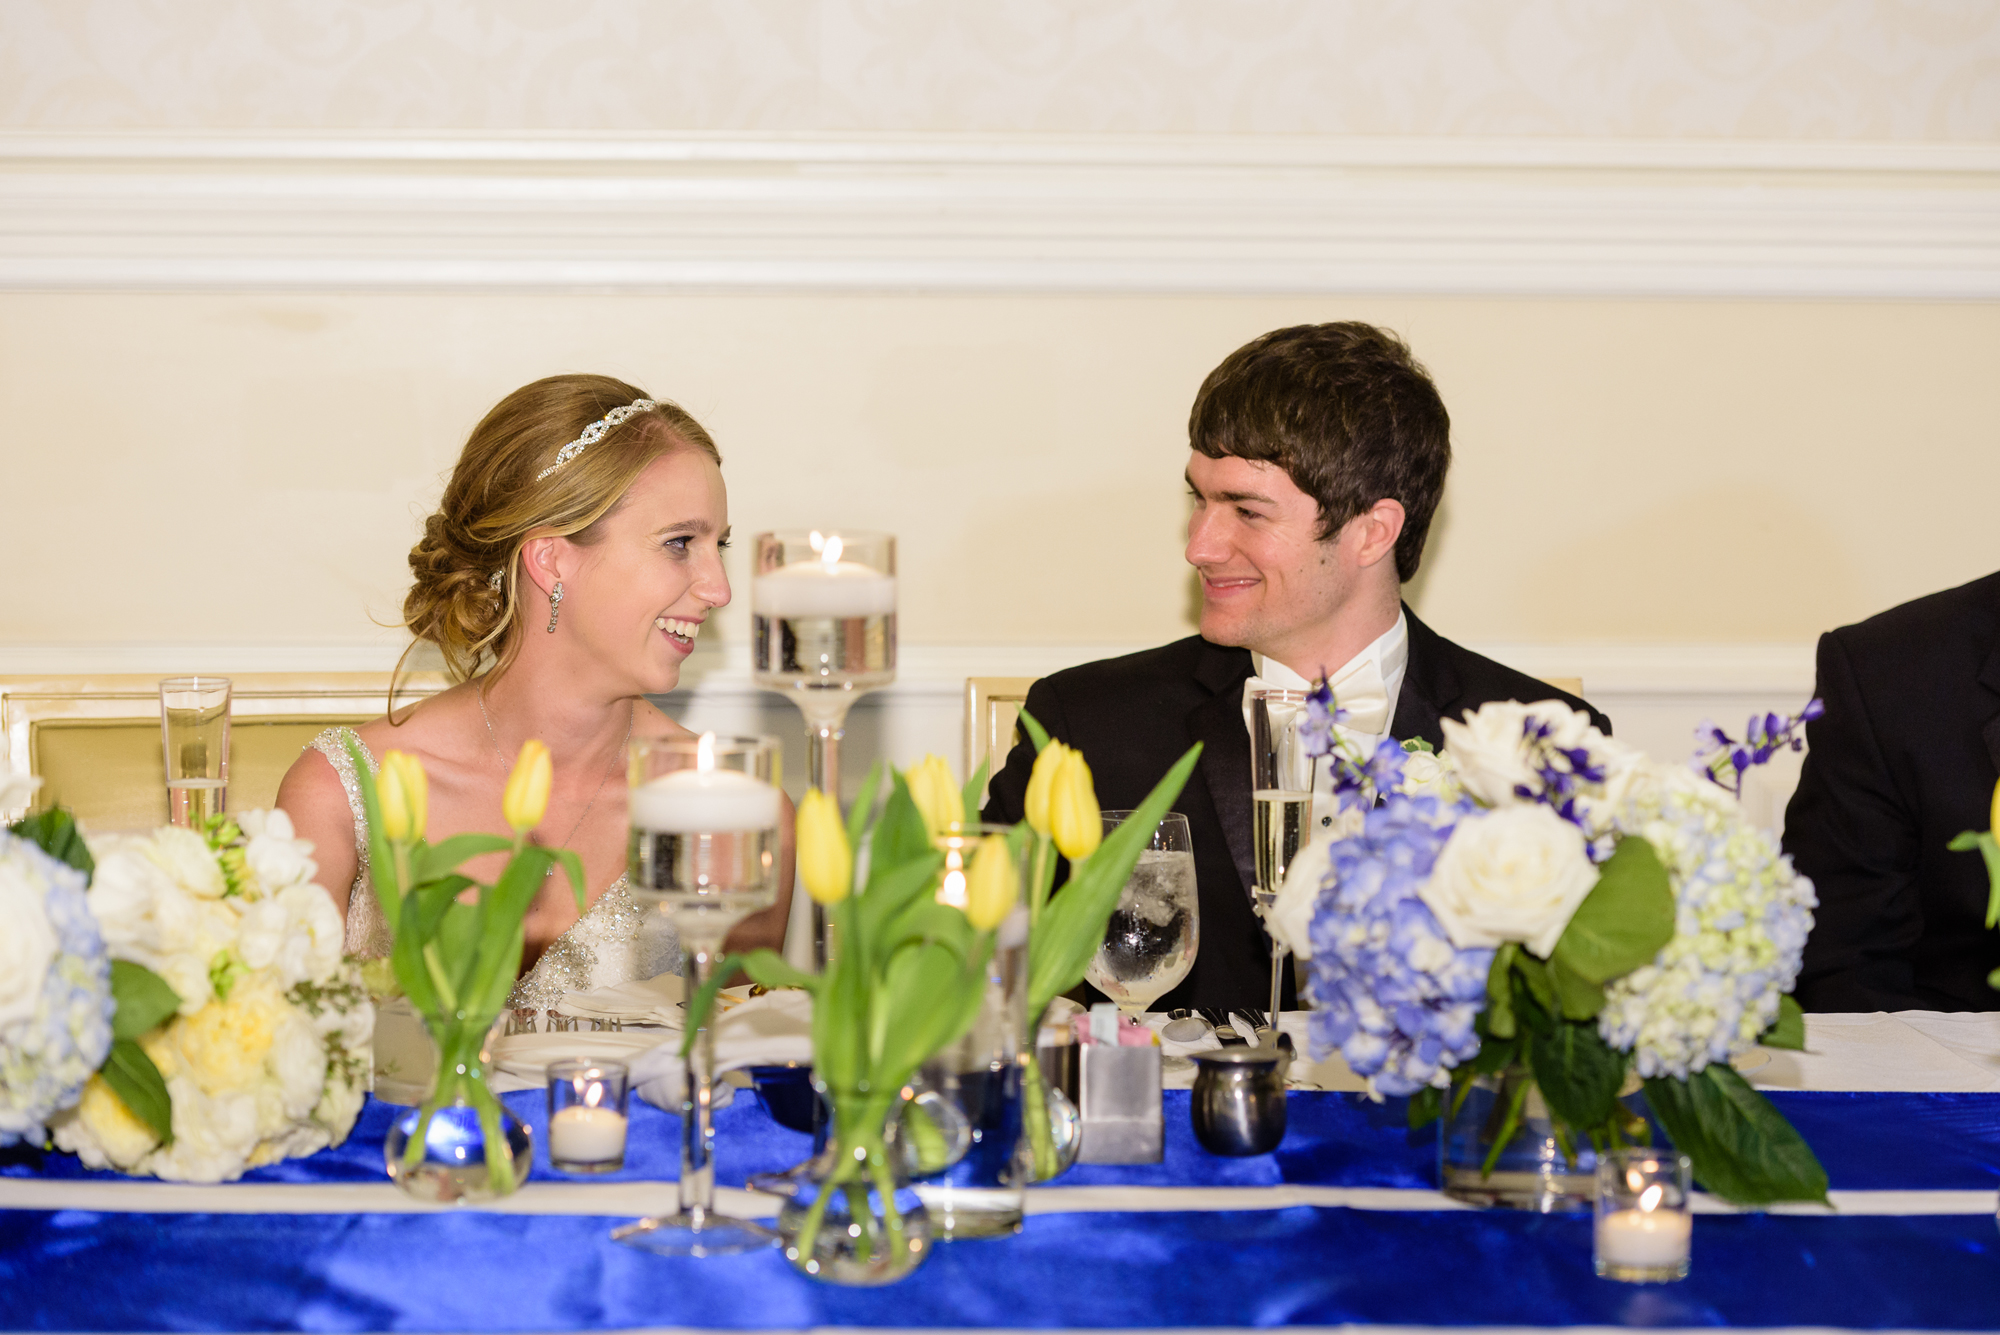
{"points": [[94, 740]]}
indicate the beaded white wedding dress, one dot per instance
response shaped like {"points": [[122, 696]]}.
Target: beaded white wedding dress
{"points": [[606, 946]]}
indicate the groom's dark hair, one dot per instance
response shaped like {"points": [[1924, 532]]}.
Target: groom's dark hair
{"points": [[1346, 411]]}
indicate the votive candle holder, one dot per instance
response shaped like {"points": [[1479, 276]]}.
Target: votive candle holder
{"points": [[587, 1124], [1644, 1225]]}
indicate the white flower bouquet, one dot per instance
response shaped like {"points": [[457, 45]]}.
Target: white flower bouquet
{"points": [[189, 1015], [1539, 897]]}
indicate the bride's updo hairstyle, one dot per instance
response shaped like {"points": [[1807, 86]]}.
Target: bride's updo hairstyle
{"points": [[509, 484]]}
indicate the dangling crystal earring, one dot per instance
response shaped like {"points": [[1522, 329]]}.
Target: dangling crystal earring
{"points": [[555, 606]]}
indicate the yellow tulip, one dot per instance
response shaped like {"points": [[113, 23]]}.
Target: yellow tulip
{"points": [[936, 794], [826, 863], [526, 800], [404, 790], [1039, 778], [992, 885], [1074, 819]]}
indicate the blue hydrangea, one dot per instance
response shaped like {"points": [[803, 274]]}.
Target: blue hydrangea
{"points": [[48, 1053], [1388, 988]]}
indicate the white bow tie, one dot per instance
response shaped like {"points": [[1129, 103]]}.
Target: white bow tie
{"points": [[1358, 691]]}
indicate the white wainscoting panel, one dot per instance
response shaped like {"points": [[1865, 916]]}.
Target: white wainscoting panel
{"points": [[1654, 695], [130, 210]]}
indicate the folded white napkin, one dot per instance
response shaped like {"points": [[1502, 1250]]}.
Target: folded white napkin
{"points": [[647, 1001], [764, 1031], [520, 1061]]}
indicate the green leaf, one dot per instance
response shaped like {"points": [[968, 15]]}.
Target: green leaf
{"points": [[1495, 1054], [1071, 926], [1036, 732], [1581, 999], [933, 1154], [144, 999], [1740, 1146], [695, 1009], [137, 1083], [976, 785], [1426, 1106], [54, 832], [1534, 975], [1789, 1029], [1989, 849], [1499, 1014], [1579, 1074], [864, 805], [930, 997], [1626, 918], [382, 872], [434, 861]]}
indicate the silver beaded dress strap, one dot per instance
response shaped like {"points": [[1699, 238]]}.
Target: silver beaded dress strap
{"points": [[617, 941]]}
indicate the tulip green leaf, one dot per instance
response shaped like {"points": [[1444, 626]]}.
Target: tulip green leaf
{"points": [[143, 998], [1036, 732], [1625, 920], [864, 805], [441, 860], [1989, 849], [974, 788], [137, 1083]]}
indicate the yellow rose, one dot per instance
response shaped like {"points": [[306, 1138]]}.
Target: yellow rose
{"points": [[936, 794], [992, 885], [1036, 803], [526, 800], [826, 864], [126, 1139], [225, 1044], [405, 793], [1074, 818]]}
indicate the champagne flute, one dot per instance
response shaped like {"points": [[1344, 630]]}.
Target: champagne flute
{"points": [[1281, 811], [1154, 933], [704, 847], [194, 734]]}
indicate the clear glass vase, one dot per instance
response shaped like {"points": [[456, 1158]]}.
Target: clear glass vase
{"points": [[1052, 1142], [461, 1145], [1499, 1146], [853, 1218]]}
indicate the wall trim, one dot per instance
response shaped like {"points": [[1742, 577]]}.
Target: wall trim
{"points": [[936, 672], [124, 211]]}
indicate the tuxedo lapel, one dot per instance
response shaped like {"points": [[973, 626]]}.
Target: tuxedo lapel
{"points": [[1217, 723], [1430, 686]]}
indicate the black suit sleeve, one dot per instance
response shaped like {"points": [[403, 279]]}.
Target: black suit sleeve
{"points": [[1006, 795], [1853, 834]]}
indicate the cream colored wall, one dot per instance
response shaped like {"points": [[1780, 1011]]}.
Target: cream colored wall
{"points": [[1627, 472]]}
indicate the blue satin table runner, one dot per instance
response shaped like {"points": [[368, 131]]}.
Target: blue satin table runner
{"points": [[467, 1270]]}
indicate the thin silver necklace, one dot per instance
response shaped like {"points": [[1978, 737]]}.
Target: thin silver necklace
{"points": [[494, 737]]}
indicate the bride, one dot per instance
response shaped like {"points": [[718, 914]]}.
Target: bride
{"points": [[572, 561]]}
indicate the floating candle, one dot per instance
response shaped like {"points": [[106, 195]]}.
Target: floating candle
{"points": [[823, 589], [704, 801], [1644, 1239], [581, 1134]]}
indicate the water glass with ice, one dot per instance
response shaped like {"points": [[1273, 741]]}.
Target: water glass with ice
{"points": [[1151, 940]]}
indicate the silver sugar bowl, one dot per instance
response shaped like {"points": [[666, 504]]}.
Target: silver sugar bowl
{"points": [[1239, 1099]]}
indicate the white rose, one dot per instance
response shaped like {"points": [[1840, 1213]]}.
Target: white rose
{"points": [[1291, 914], [28, 942], [17, 788], [1513, 874], [275, 854], [1430, 774], [186, 857], [298, 1064], [213, 1136], [1489, 752]]}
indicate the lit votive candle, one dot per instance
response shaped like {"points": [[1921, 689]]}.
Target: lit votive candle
{"points": [[823, 589], [587, 1116], [704, 801], [1643, 1225]]}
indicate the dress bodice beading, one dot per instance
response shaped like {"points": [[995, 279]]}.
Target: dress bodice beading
{"points": [[617, 941]]}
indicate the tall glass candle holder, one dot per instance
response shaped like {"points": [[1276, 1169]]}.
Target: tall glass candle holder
{"points": [[704, 847], [823, 631]]}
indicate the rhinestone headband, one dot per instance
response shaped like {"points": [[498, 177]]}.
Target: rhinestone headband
{"points": [[597, 431]]}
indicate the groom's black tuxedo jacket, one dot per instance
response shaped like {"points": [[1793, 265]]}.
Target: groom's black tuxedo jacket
{"points": [[1132, 717], [1903, 759]]}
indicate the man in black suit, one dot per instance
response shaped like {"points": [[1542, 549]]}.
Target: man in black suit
{"points": [[1903, 759], [1318, 457]]}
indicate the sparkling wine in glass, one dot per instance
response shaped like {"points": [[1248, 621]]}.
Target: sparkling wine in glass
{"points": [[704, 848], [194, 735], [1154, 933], [1281, 811]]}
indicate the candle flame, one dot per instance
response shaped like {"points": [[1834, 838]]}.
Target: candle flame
{"points": [[593, 1094], [1649, 1199], [830, 554], [704, 752], [816, 539]]}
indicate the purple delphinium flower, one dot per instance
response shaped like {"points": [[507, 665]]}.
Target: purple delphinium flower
{"points": [[1725, 760], [1316, 728], [1388, 988]]}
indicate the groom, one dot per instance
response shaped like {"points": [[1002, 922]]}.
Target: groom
{"points": [[1318, 457]]}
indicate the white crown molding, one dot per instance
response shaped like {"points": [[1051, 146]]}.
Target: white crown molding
{"points": [[987, 213], [938, 672]]}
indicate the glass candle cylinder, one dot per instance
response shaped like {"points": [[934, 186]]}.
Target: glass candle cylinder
{"points": [[1643, 1223], [587, 1116]]}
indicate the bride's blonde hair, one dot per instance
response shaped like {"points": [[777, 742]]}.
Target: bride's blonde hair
{"points": [[506, 487]]}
